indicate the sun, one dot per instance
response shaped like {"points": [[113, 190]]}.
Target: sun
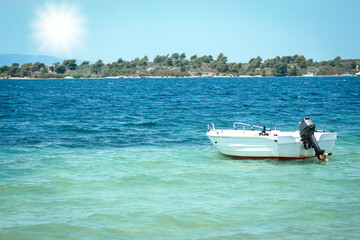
{"points": [[59, 28]]}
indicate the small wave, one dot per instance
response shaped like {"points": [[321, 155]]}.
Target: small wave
{"points": [[15, 151], [165, 95], [202, 107], [31, 141], [135, 134], [78, 130], [145, 124], [110, 129]]}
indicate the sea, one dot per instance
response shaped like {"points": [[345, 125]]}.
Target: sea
{"points": [[121, 159]]}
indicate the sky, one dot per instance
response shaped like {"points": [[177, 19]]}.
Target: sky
{"points": [[241, 30]]}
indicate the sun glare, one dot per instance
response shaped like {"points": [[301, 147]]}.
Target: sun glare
{"points": [[59, 28]]}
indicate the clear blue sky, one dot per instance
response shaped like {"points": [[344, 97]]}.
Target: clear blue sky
{"points": [[318, 29]]}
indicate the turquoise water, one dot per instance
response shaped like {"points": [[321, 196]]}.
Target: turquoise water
{"points": [[120, 159]]}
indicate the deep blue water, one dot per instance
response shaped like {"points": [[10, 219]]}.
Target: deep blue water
{"points": [[105, 158]]}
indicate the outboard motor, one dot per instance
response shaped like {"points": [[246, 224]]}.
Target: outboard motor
{"points": [[307, 129]]}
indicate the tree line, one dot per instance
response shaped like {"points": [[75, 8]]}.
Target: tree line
{"points": [[178, 65]]}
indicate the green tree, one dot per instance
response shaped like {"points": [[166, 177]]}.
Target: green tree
{"points": [[309, 62], [222, 67], [168, 62], [269, 63], [145, 58], [255, 62], [221, 58], [25, 70], [220, 63], [195, 61], [97, 67], [287, 59], [295, 57], [160, 59], [293, 71], [234, 68], [280, 69], [353, 65], [337, 62], [36, 67], [303, 65], [4, 69], [196, 64], [14, 70], [179, 63], [300, 59], [206, 59], [70, 64], [182, 57], [143, 61], [263, 72], [193, 58], [85, 63], [43, 72], [174, 57], [60, 69]]}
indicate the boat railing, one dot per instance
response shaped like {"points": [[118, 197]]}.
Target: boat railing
{"points": [[212, 127], [249, 125]]}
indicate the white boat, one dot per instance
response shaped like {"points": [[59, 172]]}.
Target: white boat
{"points": [[273, 144], [309, 75], [69, 77]]}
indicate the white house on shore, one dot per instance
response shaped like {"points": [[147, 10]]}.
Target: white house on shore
{"points": [[51, 68]]}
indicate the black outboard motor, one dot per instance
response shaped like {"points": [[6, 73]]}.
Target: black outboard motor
{"points": [[307, 129]]}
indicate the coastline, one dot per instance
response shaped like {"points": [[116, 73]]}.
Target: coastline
{"points": [[174, 67], [157, 77]]}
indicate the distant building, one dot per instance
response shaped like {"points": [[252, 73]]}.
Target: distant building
{"points": [[51, 68]]}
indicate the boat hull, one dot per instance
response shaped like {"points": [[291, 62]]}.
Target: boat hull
{"points": [[263, 158], [274, 145]]}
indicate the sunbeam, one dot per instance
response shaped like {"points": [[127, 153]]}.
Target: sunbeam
{"points": [[59, 28]]}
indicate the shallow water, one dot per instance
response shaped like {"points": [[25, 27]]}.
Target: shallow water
{"points": [[104, 159]]}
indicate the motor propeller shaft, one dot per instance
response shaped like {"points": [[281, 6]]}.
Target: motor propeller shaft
{"points": [[307, 130]]}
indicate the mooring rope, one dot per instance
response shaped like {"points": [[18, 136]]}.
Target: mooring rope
{"points": [[206, 147]]}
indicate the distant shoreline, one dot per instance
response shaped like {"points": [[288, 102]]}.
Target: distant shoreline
{"points": [[159, 77], [178, 66]]}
